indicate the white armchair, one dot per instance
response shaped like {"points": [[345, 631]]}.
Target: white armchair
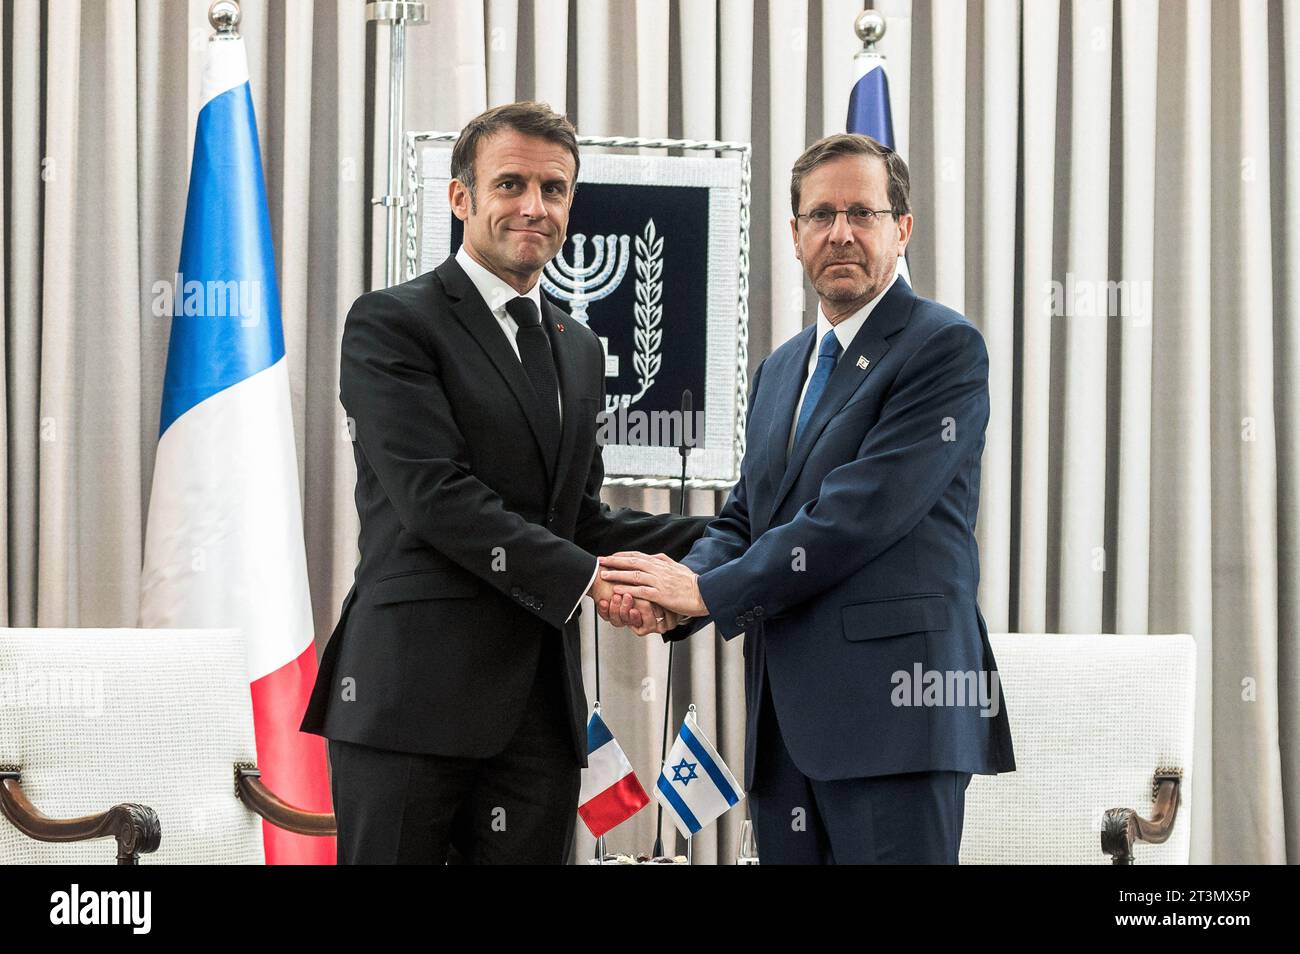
{"points": [[142, 735], [1102, 727]]}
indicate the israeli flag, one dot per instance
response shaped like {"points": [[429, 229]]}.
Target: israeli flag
{"points": [[870, 112], [695, 786]]}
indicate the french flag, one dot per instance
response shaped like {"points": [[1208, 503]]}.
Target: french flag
{"points": [[610, 792], [224, 542]]}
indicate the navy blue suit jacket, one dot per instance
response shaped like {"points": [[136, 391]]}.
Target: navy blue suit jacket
{"points": [[851, 569]]}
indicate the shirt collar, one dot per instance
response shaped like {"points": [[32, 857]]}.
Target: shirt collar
{"points": [[494, 289], [848, 329]]}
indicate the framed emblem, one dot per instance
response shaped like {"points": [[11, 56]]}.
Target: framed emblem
{"points": [[656, 263]]}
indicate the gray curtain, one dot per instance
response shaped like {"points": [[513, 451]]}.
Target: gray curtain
{"points": [[1141, 463]]}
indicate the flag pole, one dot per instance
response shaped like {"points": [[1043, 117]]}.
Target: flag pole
{"points": [[397, 14], [683, 448], [596, 633], [690, 839], [595, 708], [658, 851]]}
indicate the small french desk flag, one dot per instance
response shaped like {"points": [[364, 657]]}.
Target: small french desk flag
{"points": [[610, 792]]}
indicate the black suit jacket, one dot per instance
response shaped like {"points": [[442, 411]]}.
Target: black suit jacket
{"points": [[476, 541]]}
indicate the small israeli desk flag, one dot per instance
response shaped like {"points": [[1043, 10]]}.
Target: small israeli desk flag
{"points": [[695, 786]]}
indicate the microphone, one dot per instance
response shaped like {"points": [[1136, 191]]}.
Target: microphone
{"points": [[684, 448]]}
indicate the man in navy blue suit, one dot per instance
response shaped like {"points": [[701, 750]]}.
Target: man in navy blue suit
{"points": [[846, 553]]}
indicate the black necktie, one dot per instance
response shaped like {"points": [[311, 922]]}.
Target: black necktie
{"points": [[535, 353]]}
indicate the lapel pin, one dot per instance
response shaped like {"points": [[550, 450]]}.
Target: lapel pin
{"points": [[559, 326], [863, 362]]}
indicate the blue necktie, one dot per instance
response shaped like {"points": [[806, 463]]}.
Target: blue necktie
{"points": [[827, 355]]}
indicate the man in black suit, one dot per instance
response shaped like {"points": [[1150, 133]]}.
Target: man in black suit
{"points": [[451, 690]]}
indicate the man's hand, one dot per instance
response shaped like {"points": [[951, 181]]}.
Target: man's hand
{"points": [[617, 610], [641, 616], [655, 579]]}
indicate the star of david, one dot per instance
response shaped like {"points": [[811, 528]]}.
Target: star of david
{"points": [[684, 771]]}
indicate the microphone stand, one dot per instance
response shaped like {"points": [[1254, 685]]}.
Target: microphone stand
{"points": [[684, 449]]}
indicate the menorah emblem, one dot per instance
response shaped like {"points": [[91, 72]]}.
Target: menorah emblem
{"points": [[579, 283]]}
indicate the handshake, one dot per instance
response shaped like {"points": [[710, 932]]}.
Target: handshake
{"points": [[649, 594]]}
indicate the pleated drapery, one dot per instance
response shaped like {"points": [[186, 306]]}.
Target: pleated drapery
{"points": [[1107, 188]]}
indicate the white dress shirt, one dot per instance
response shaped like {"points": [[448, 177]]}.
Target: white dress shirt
{"points": [[496, 293], [845, 332]]}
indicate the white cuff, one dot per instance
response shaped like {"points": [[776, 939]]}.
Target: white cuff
{"points": [[584, 592]]}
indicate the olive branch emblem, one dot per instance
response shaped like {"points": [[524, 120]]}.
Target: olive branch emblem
{"points": [[648, 334]]}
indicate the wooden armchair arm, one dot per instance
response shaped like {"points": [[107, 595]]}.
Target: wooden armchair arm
{"points": [[135, 826], [1122, 827], [251, 791]]}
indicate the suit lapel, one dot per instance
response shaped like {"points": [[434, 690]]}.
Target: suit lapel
{"points": [[858, 361], [568, 366], [789, 375], [472, 312]]}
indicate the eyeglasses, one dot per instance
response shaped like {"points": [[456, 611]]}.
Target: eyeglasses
{"points": [[821, 220]]}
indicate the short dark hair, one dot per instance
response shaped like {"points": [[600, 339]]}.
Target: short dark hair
{"points": [[853, 144], [529, 118]]}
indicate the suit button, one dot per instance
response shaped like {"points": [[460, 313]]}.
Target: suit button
{"points": [[758, 612], [540, 604], [739, 621], [514, 591]]}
